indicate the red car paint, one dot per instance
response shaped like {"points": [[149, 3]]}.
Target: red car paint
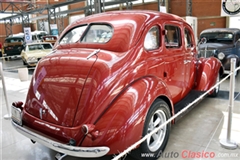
{"points": [[114, 88]]}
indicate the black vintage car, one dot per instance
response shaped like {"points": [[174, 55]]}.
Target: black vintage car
{"points": [[13, 46], [223, 43]]}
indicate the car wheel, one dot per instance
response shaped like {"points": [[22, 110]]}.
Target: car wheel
{"points": [[154, 146], [24, 63], [217, 88]]}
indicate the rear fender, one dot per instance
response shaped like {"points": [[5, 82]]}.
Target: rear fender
{"points": [[208, 69], [122, 124]]}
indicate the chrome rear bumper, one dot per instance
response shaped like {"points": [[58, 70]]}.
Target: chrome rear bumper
{"points": [[85, 152]]}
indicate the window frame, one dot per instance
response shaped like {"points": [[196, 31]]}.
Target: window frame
{"points": [[170, 43]]}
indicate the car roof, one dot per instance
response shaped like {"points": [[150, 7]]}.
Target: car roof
{"points": [[128, 14], [213, 30], [132, 22]]}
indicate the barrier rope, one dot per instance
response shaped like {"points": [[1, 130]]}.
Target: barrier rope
{"points": [[171, 119]]}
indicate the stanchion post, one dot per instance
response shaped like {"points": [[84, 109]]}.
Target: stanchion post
{"points": [[8, 115], [228, 143]]}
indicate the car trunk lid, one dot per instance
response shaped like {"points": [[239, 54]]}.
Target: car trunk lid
{"points": [[57, 84]]}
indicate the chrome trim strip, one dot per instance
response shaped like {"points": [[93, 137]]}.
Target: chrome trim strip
{"points": [[84, 152]]}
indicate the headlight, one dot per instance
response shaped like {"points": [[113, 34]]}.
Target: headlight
{"points": [[221, 55]]}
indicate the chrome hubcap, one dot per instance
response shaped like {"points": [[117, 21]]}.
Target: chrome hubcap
{"points": [[155, 141]]}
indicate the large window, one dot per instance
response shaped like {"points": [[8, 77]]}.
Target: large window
{"points": [[94, 33], [98, 33], [73, 35], [151, 40], [172, 36]]}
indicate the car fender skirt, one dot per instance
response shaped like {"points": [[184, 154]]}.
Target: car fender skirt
{"points": [[208, 70], [76, 151]]}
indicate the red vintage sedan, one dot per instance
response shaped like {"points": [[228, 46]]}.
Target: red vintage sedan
{"points": [[110, 80]]}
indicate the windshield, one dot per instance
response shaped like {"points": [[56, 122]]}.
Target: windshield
{"points": [[39, 47], [217, 37]]}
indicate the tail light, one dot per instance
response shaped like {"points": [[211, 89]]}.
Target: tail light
{"points": [[18, 104], [90, 131]]}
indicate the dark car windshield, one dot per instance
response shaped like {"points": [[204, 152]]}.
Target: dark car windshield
{"points": [[14, 40], [218, 37]]}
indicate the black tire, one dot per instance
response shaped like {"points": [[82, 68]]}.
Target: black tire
{"points": [[24, 63], [216, 90], [154, 146]]}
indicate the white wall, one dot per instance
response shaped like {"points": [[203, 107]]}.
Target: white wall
{"points": [[234, 22], [192, 21]]}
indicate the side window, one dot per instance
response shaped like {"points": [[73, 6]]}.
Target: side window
{"points": [[187, 38], [151, 40], [172, 36]]}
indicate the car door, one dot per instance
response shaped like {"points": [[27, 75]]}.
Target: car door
{"points": [[189, 57], [154, 51], [174, 60]]}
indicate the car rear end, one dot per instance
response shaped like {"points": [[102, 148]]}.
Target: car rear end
{"points": [[13, 46]]}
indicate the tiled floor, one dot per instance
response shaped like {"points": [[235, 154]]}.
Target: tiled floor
{"points": [[197, 132]]}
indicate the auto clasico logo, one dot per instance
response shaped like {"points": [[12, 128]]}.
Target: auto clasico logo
{"points": [[231, 7]]}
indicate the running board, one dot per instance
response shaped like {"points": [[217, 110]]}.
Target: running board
{"points": [[191, 96]]}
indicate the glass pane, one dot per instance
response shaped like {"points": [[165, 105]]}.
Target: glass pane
{"points": [[152, 39], [73, 36], [172, 36], [98, 33]]}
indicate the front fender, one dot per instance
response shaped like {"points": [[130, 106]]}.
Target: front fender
{"points": [[227, 62], [207, 72], [122, 124]]}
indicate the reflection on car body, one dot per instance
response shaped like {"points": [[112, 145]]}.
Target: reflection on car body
{"points": [[111, 79], [222, 43]]}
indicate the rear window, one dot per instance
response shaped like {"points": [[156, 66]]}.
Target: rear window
{"points": [[13, 40], [95, 33], [73, 35], [98, 33]]}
